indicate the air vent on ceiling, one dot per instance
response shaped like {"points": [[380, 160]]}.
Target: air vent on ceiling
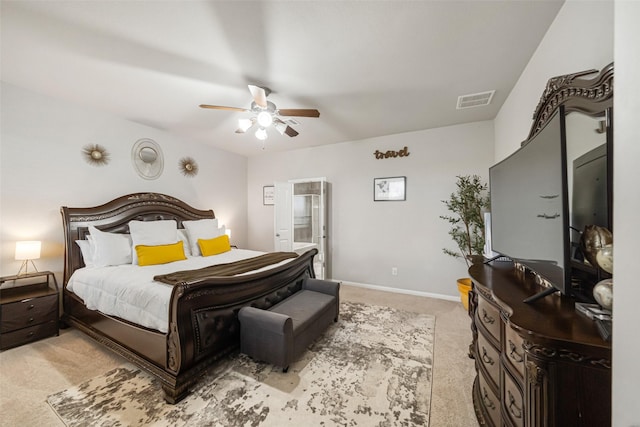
{"points": [[475, 100]]}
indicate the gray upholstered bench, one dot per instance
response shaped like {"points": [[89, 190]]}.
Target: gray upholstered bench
{"points": [[282, 333]]}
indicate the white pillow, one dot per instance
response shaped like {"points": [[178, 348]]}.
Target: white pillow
{"points": [[110, 248], [86, 248], [152, 233], [201, 229], [182, 235]]}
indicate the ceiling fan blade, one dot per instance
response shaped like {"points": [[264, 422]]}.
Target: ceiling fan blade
{"points": [[300, 112], [284, 128], [259, 95], [290, 131], [221, 107]]}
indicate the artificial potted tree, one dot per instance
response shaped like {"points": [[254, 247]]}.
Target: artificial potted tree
{"points": [[467, 206]]}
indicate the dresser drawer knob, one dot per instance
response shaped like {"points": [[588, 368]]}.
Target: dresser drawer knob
{"points": [[487, 401], [513, 408], [30, 320], [486, 358], [31, 306], [30, 334], [513, 353], [486, 318]]}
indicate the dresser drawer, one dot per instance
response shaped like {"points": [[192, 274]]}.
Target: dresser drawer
{"points": [[489, 400], [514, 350], [27, 335], [512, 400], [489, 316], [489, 358], [28, 312]]}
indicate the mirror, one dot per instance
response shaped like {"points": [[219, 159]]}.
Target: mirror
{"points": [[306, 213], [587, 101], [148, 154], [587, 175]]}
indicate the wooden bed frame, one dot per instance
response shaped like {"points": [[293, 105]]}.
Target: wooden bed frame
{"points": [[203, 321]]}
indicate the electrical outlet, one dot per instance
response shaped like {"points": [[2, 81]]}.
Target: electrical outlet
{"points": [[394, 271]]}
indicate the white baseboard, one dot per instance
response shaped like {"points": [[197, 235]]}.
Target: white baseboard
{"points": [[400, 291]]}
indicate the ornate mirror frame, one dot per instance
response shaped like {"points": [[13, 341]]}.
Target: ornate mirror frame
{"points": [[589, 93], [147, 158], [589, 96]]}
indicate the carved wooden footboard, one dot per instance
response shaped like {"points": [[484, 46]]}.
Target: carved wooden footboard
{"points": [[203, 323]]}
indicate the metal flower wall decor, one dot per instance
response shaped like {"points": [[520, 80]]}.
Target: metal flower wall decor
{"points": [[188, 166], [95, 154]]}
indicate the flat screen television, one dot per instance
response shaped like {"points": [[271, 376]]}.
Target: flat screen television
{"points": [[529, 207]]}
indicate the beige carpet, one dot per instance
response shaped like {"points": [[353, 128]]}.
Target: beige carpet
{"points": [[371, 368], [30, 373]]}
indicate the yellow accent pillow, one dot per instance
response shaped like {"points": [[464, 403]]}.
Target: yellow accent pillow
{"points": [[214, 246], [161, 254]]}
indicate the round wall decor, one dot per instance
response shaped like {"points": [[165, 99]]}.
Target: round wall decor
{"points": [[147, 158]]}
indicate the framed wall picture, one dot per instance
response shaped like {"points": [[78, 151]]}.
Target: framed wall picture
{"points": [[389, 189], [268, 192]]}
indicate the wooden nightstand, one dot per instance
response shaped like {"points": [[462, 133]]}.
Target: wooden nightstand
{"points": [[29, 310]]}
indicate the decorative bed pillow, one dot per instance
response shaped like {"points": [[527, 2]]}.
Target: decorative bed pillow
{"points": [[152, 233], [214, 246], [182, 235], [86, 248], [160, 254], [201, 229], [110, 248]]}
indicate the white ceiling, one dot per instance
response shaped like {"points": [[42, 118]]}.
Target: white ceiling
{"points": [[372, 68]]}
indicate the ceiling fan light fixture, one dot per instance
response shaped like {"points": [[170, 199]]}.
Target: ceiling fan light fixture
{"points": [[244, 124], [266, 114], [261, 134], [265, 119]]}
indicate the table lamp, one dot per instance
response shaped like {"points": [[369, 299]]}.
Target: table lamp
{"points": [[27, 251]]}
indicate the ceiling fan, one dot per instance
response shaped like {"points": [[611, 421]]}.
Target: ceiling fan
{"points": [[265, 114]]}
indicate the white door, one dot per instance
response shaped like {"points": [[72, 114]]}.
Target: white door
{"points": [[283, 217]]}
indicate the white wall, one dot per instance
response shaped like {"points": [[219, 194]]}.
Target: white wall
{"points": [[368, 238], [626, 347], [580, 38], [42, 169]]}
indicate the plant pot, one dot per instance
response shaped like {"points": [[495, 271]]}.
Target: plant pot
{"points": [[464, 286]]}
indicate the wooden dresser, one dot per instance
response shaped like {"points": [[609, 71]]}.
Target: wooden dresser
{"points": [[538, 364]]}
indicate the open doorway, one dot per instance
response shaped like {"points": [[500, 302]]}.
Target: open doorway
{"points": [[301, 219]]}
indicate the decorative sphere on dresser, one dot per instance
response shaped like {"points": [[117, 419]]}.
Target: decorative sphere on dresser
{"points": [[603, 293], [604, 258]]}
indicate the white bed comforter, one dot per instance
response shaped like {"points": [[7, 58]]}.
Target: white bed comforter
{"points": [[129, 291]]}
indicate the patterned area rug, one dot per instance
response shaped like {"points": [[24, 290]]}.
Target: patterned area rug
{"points": [[372, 368]]}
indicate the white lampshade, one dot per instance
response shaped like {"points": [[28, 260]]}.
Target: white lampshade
{"points": [[261, 134], [244, 124], [27, 250], [280, 127]]}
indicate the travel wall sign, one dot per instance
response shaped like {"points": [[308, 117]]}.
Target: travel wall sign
{"points": [[391, 153]]}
